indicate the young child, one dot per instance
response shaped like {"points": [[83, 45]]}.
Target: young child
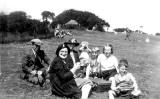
{"points": [[93, 61], [85, 58], [124, 82]]}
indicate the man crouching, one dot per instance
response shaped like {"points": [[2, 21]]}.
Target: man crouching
{"points": [[35, 64]]}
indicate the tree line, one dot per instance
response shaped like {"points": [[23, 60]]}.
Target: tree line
{"points": [[84, 18], [18, 22]]}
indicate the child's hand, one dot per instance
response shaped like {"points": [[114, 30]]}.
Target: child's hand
{"points": [[77, 65], [39, 72], [117, 88], [33, 72]]}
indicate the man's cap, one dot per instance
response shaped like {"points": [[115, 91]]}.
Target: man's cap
{"points": [[36, 42]]}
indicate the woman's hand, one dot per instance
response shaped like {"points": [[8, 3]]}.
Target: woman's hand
{"points": [[75, 67]]}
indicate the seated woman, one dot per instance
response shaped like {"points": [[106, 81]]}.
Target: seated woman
{"points": [[62, 72], [35, 64], [124, 82], [107, 63]]}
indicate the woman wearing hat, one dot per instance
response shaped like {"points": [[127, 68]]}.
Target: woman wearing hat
{"points": [[108, 63], [62, 72], [35, 63]]}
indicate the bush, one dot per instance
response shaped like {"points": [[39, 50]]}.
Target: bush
{"points": [[157, 34]]}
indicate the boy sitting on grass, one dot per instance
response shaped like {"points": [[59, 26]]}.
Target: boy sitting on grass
{"points": [[123, 83]]}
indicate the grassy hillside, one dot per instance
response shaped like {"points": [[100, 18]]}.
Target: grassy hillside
{"points": [[143, 60]]}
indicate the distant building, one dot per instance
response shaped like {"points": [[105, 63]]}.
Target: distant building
{"points": [[72, 24]]}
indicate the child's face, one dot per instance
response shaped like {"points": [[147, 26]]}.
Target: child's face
{"points": [[94, 55], [122, 70], [84, 62]]}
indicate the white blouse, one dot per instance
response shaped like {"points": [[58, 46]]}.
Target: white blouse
{"points": [[107, 63]]}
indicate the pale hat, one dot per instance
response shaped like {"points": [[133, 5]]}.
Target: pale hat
{"points": [[95, 49], [36, 42]]}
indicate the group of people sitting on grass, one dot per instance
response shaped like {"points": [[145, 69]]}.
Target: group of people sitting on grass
{"points": [[72, 71], [61, 33]]}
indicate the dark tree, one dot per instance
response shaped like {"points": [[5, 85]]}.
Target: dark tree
{"points": [[47, 15], [84, 19], [16, 21]]}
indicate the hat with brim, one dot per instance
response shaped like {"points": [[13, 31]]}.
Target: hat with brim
{"points": [[95, 49], [72, 41], [36, 42]]}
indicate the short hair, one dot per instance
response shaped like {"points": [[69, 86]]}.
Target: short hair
{"points": [[61, 46], [110, 45], [123, 62]]}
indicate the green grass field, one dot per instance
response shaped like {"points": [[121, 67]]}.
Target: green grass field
{"points": [[143, 60]]}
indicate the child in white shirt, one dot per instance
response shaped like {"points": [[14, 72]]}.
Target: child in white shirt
{"points": [[123, 82]]}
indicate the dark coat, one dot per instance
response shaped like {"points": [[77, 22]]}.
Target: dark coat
{"points": [[62, 79], [31, 62], [76, 55]]}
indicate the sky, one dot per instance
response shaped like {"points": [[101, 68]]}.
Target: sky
{"points": [[135, 14]]}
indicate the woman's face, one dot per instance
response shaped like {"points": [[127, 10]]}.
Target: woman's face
{"points": [[63, 53], [35, 47], [107, 51]]}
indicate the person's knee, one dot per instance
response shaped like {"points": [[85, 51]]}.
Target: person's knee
{"points": [[110, 92], [86, 87], [85, 91]]}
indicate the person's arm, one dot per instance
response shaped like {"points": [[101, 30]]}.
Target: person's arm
{"points": [[113, 83], [88, 69], [116, 64], [99, 63], [27, 64], [68, 75], [65, 75], [45, 58], [57, 68], [45, 61], [134, 82]]}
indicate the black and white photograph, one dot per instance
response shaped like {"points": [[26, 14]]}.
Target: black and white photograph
{"points": [[79, 49]]}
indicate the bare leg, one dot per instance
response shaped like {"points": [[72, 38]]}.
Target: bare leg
{"points": [[111, 94], [85, 91]]}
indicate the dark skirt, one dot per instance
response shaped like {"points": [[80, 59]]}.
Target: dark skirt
{"points": [[69, 89], [107, 74]]}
